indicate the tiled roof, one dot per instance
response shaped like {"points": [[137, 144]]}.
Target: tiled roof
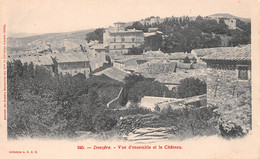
{"points": [[182, 65], [180, 56], [156, 67], [37, 60], [70, 57], [125, 31], [208, 51], [112, 73], [180, 75], [233, 54]]}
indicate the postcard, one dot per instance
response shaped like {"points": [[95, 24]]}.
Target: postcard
{"points": [[129, 79]]}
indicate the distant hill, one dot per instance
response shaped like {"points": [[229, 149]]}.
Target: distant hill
{"points": [[20, 35], [226, 15], [55, 39]]}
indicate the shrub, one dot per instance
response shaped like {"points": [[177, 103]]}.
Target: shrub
{"points": [[190, 122], [191, 87]]}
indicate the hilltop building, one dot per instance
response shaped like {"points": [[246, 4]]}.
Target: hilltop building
{"points": [[119, 40], [151, 20], [230, 22]]}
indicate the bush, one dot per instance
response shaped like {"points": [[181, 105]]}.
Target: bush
{"points": [[135, 50], [190, 122], [42, 105], [191, 87]]}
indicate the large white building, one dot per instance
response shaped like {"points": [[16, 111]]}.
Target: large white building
{"points": [[119, 39]]}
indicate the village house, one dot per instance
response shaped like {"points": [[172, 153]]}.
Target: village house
{"points": [[97, 56], [230, 22], [151, 20], [228, 75], [35, 58], [200, 53], [113, 73], [119, 39], [72, 63], [180, 56]]}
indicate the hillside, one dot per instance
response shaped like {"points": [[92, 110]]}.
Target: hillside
{"points": [[55, 39], [226, 15]]}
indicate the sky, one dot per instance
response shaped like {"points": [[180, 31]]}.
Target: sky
{"points": [[48, 16]]}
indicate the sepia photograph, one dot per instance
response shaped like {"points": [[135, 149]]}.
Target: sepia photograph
{"points": [[134, 72]]}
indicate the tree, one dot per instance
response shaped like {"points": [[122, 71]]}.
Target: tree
{"points": [[138, 26], [96, 35], [153, 42], [191, 87], [131, 79], [135, 50], [186, 60], [148, 88]]}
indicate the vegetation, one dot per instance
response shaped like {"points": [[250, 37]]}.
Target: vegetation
{"points": [[96, 35], [42, 104], [135, 50], [139, 87], [235, 116], [183, 34], [191, 87], [191, 121]]}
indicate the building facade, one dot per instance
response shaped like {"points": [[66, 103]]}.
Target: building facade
{"points": [[119, 40], [72, 63], [228, 76]]}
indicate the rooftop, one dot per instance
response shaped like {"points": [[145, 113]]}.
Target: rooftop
{"points": [[180, 56], [208, 51], [70, 57], [37, 60], [232, 54], [180, 75], [112, 73], [125, 31]]}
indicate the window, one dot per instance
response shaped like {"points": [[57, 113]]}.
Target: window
{"points": [[123, 46], [242, 71], [123, 39], [133, 39], [114, 46]]}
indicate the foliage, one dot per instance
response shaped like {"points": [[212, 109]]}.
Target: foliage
{"points": [[239, 37], [41, 104], [153, 42], [186, 60], [183, 35], [138, 26], [235, 116], [191, 87], [135, 50], [96, 35], [131, 79], [190, 121], [148, 88], [138, 87]]}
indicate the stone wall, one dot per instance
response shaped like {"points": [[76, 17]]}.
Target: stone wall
{"points": [[223, 86]]}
